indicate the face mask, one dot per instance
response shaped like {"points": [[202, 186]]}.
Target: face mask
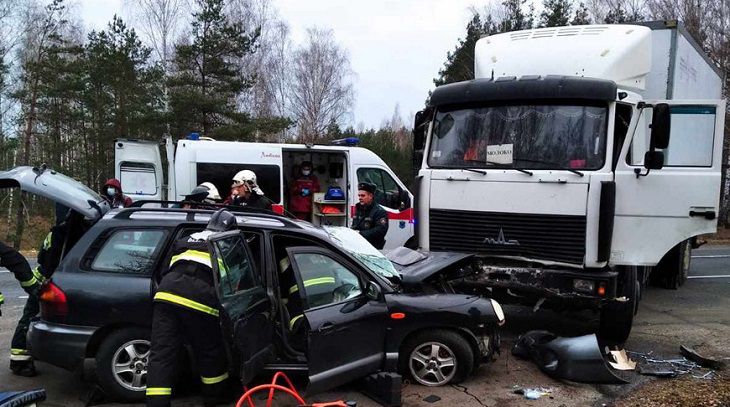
{"points": [[306, 172], [111, 191]]}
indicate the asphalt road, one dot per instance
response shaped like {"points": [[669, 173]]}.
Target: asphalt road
{"points": [[694, 315]]}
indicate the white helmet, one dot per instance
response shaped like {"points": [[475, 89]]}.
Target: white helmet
{"points": [[212, 190], [247, 177]]}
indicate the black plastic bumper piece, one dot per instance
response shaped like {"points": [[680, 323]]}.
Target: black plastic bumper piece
{"points": [[60, 345]]}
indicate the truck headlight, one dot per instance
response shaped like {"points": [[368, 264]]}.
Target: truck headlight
{"points": [[584, 286], [498, 311]]}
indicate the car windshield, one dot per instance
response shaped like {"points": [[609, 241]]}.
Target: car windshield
{"points": [[571, 137], [352, 242]]}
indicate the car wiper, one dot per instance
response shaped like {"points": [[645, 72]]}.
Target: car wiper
{"points": [[551, 163], [498, 165]]}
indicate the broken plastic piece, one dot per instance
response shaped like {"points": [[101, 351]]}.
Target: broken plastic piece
{"points": [[692, 355], [579, 359], [621, 360]]}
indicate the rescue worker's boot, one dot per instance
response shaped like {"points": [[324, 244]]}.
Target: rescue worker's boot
{"points": [[24, 368]]}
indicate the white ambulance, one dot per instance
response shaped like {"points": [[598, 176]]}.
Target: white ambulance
{"points": [[138, 165]]}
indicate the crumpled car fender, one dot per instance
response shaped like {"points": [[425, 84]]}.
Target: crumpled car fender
{"points": [[579, 359]]}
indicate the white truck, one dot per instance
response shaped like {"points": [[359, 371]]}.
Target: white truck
{"points": [[194, 160], [580, 160]]}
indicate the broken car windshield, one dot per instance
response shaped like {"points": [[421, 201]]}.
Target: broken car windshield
{"points": [[568, 137], [352, 242]]}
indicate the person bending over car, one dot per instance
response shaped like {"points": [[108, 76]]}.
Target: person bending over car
{"points": [[186, 309]]}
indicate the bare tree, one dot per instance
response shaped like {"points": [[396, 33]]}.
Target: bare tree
{"points": [[159, 21], [321, 90]]}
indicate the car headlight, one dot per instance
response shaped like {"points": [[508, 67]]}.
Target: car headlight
{"points": [[498, 311]]}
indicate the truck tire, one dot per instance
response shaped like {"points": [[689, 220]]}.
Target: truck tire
{"points": [[672, 270], [618, 317], [436, 358]]}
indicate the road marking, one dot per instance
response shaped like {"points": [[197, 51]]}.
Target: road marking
{"points": [[718, 276], [23, 297], [712, 256]]}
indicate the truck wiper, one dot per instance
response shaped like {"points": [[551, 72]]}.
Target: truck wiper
{"points": [[498, 165], [551, 163]]}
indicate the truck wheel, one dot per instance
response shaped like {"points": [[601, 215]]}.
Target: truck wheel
{"points": [[617, 317], [436, 358], [121, 364], [672, 270]]}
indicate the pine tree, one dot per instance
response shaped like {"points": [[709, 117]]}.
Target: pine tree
{"points": [[206, 83], [556, 13], [581, 16], [459, 65], [515, 18]]}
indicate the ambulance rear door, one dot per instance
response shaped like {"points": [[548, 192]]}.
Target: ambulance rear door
{"points": [[138, 166]]}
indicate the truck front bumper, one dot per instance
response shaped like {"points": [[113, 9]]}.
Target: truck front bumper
{"points": [[555, 285]]}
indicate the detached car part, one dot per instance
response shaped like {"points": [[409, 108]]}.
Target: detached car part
{"points": [[579, 359]]}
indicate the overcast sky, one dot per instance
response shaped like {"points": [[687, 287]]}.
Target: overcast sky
{"points": [[396, 47]]}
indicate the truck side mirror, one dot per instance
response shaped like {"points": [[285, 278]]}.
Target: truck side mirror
{"points": [[654, 160], [419, 130], [660, 126]]}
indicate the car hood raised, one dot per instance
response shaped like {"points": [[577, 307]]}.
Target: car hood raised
{"points": [[56, 187], [417, 266]]}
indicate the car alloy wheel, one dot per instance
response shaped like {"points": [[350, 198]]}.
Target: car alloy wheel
{"points": [[129, 364], [432, 364]]}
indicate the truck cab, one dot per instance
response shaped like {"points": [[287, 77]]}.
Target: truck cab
{"points": [[339, 168], [580, 173]]}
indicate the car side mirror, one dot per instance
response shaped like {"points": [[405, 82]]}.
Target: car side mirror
{"points": [[405, 200], [654, 160], [660, 126], [373, 291]]}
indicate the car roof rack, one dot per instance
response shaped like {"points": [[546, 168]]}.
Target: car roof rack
{"points": [[138, 206]]}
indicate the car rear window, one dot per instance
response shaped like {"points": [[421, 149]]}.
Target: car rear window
{"points": [[129, 251]]}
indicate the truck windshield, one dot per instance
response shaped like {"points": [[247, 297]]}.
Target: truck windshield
{"points": [[570, 137]]}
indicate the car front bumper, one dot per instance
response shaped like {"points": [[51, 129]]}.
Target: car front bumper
{"points": [[60, 345]]}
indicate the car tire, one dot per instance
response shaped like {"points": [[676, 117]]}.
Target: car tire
{"points": [[673, 269], [618, 317], [126, 346], [436, 358]]}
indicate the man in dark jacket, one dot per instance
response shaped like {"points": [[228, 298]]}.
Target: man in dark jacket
{"points": [[371, 220], [69, 227], [186, 309], [245, 191], [112, 193], [20, 361]]}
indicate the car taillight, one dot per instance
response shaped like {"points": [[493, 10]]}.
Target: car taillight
{"points": [[53, 303]]}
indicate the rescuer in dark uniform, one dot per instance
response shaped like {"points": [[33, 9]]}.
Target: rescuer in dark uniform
{"points": [[69, 227], [186, 309], [20, 361], [370, 220]]}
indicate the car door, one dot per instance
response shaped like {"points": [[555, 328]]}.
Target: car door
{"points": [[345, 328], [659, 208], [246, 320]]}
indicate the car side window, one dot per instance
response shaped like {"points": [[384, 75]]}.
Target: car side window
{"points": [[388, 193], [324, 280], [235, 268], [131, 251]]}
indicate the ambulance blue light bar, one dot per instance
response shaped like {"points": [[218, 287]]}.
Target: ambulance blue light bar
{"points": [[194, 136], [349, 141]]}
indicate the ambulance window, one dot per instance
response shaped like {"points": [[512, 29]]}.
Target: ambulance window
{"points": [[221, 175], [388, 192], [138, 178]]}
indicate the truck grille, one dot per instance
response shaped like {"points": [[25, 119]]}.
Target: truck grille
{"points": [[545, 237]]}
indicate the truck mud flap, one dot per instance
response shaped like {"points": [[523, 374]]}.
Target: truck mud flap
{"points": [[578, 359]]}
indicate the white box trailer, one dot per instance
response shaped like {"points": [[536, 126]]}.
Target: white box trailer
{"points": [[580, 161], [138, 165]]}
